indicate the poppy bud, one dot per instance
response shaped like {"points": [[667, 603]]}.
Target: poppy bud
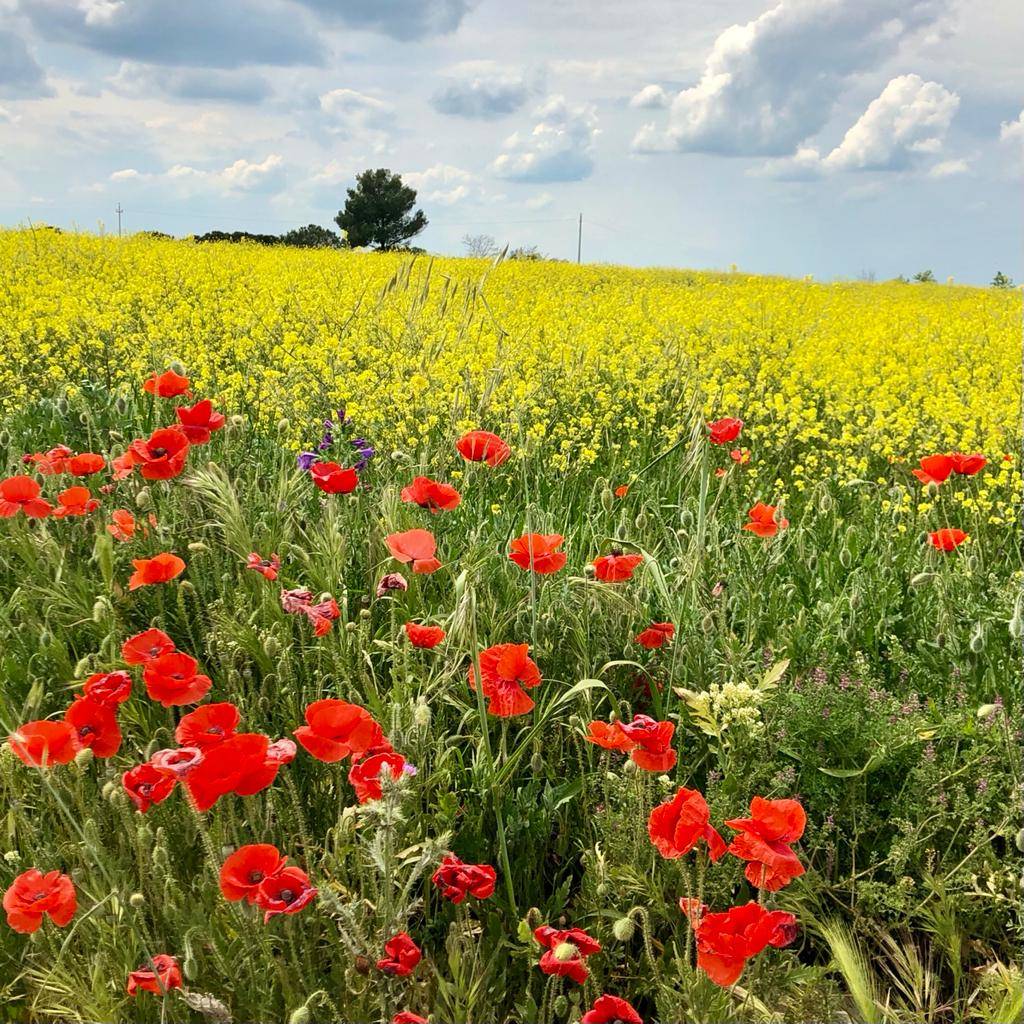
{"points": [[686, 518], [62, 406], [283, 426], [198, 545], [1020, 840], [561, 1006], [825, 502], [932, 490], [856, 599], [607, 499], [921, 579], [350, 627], [362, 967], [237, 421], [845, 558], [271, 646], [985, 710], [681, 533], [812, 563], [623, 929], [978, 639], [109, 789], [707, 624], [82, 666], [588, 570], [629, 768], [103, 554], [143, 499], [940, 640], [5, 438], [421, 714], [188, 968], [83, 758], [84, 419], [99, 609], [641, 521], [973, 563], [120, 405], [537, 762], [364, 613], [302, 1014], [137, 900]]}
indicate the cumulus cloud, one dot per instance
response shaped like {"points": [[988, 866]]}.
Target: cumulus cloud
{"points": [[773, 82], [650, 97], [443, 184], [559, 147], [401, 19], [950, 168], [20, 76], [350, 113], [241, 176], [1012, 131], [241, 86], [483, 90]]}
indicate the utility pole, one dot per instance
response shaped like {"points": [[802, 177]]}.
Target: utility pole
{"points": [[120, 211], [579, 240]]}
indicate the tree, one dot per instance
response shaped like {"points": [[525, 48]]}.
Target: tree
{"points": [[480, 247], [312, 236], [1001, 280], [924, 277], [378, 211]]}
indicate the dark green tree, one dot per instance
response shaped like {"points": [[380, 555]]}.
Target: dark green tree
{"points": [[378, 211], [1001, 280], [312, 236], [924, 277]]}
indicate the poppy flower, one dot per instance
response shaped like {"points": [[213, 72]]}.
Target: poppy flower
{"points": [[108, 687], [608, 735], [334, 479], [424, 636], [947, 539], [506, 669], [285, 892], [322, 615], [968, 465], [740, 455], [266, 567], [166, 385], [416, 546], [32, 895], [431, 494], [539, 552], [392, 581], [75, 501], [123, 526], [335, 729], [693, 910], [96, 726], [163, 455], [365, 775], [678, 825], [258, 775], [241, 762], [123, 465], [208, 725], [652, 743], [179, 761], [147, 784], [456, 880], [935, 469], [764, 840], [402, 956], [42, 743], [763, 521], [724, 430], [656, 635], [146, 646], [567, 950], [198, 422], [160, 568], [158, 976], [611, 1010], [247, 868], [172, 680], [85, 464], [483, 446], [622, 490], [408, 1017], [616, 567], [51, 463], [725, 941], [21, 494]]}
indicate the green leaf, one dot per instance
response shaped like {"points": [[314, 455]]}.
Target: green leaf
{"points": [[851, 773]]}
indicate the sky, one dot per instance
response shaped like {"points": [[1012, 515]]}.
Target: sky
{"points": [[833, 138]]}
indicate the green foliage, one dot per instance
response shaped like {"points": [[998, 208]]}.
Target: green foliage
{"points": [[379, 211]]}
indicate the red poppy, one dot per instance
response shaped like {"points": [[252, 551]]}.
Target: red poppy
{"points": [[96, 725], [21, 494], [456, 880], [85, 464], [764, 840], [179, 761], [567, 950], [763, 521], [158, 976], [616, 567], [657, 634], [241, 764], [334, 479], [365, 775], [43, 743], [75, 501], [724, 430], [408, 1017], [123, 526], [968, 465], [506, 669], [725, 941], [609, 735], [257, 775], [652, 743], [123, 465], [740, 455], [167, 385], [163, 455], [538, 551], [147, 784], [424, 636], [208, 725], [266, 567], [172, 680], [392, 581], [678, 825], [285, 892], [482, 446], [108, 687], [935, 469], [415, 546], [431, 494], [335, 729], [199, 421], [245, 870], [50, 463], [146, 646], [32, 895], [402, 956], [693, 910], [622, 490], [611, 1010], [947, 539], [160, 568]]}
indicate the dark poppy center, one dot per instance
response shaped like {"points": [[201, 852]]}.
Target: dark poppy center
{"points": [[215, 730], [286, 896], [159, 453], [38, 896], [145, 789], [256, 877], [86, 730]]}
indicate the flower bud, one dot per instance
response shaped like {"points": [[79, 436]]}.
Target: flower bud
{"points": [[607, 499], [561, 1005], [143, 499], [978, 639], [137, 900], [537, 762], [84, 758], [302, 1014], [624, 929]]}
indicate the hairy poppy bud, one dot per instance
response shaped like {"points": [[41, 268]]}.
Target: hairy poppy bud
{"points": [[1017, 622], [623, 929], [974, 563], [985, 710], [283, 426], [641, 521], [198, 545], [271, 646], [932, 490], [825, 502], [856, 599], [845, 558], [84, 758], [350, 627], [137, 900], [83, 418], [99, 609], [561, 1006], [362, 964], [978, 639], [302, 1014], [421, 714], [707, 624], [5, 438], [537, 762], [143, 499], [921, 579], [109, 789], [607, 499], [103, 554], [120, 405], [82, 665], [1020, 840], [62, 406]]}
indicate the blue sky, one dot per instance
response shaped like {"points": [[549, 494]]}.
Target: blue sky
{"points": [[837, 138]]}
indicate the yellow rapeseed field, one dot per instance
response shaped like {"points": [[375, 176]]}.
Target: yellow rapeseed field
{"points": [[580, 364]]}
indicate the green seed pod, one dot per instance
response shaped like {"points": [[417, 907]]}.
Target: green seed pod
{"points": [[978, 639], [845, 557], [607, 499], [301, 1016], [143, 499], [974, 563], [537, 762], [82, 665], [284, 425], [137, 900], [350, 627], [624, 929], [1020, 840], [561, 1006], [641, 521]]}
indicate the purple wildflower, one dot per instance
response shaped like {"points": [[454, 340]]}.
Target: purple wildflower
{"points": [[305, 460]]}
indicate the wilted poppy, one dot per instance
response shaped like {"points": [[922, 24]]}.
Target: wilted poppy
{"points": [[123, 526], [21, 494], [285, 892], [740, 455], [147, 784], [108, 687], [431, 494], [85, 464], [724, 430], [539, 552], [483, 446], [179, 761], [75, 501], [402, 956], [611, 1010], [43, 743], [424, 636], [335, 729], [145, 646], [391, 581], [160, 568], [32, 895], [679, 824], [266, 567], [415, 546], [567, 950], [616, 567], [935, 469], [199, 421], [457, 880], [365, 775], [657, 634], [609, 735], [506, 669], [96, 726], [725, 941], [763, 521], [163, 455], [172, 680], [208, 725], [652, 743], [334, 479], [947, 539], [764, 840], [158, 976], [245, 870], [322, 615]]}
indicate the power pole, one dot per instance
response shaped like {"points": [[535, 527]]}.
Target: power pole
{"points": [[579, 240], [119, 212]]}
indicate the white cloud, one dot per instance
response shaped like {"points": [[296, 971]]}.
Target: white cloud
{"points": [[541, 201], [350, 113], [950, 168], [443, 184], [650, 97], [482, 89], [558, 148], [1012, 131], [241, 176], [773, 82]]}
